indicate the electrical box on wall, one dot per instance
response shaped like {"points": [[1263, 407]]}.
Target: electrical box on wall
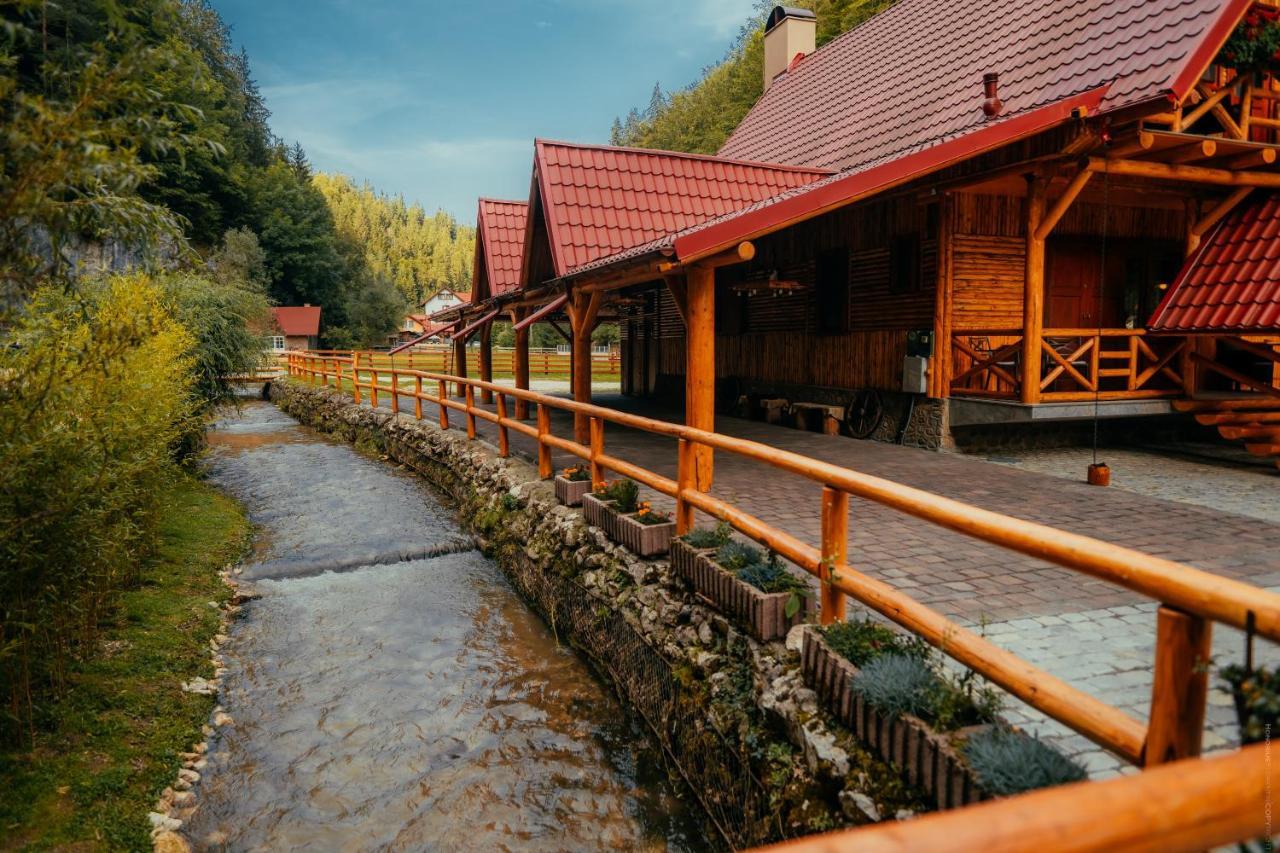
{"points": [[915, 374], [920, 342]]}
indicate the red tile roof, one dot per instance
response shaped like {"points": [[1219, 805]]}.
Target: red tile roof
{"points": [[297, 319], [500, 240], [601, 200], [912, 76], [1232, 283]]}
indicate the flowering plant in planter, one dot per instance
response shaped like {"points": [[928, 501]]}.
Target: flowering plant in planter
{"points": [[1255, 45], [624, 494], [770, 576], [571, 484], [646, 515]]}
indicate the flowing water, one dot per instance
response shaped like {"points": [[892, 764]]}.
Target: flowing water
{"points": [[390, 690]]}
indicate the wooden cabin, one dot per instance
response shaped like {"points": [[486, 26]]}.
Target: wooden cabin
{"points": [[982, 218]]}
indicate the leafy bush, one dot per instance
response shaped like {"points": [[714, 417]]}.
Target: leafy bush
{"points": [[1008, 762], [859, 641], [771, 576], [1257, 701], [907, 683], [576, 474], [624, 493], [704, 538], [95, 395], [898, 684], [735, 556]]}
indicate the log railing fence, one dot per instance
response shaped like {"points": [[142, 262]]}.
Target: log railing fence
{"points": [[543, 363], [1190, 599]]}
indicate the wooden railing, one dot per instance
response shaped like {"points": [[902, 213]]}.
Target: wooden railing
{"points": [[1190, 599], [543, 363], [1076, 364], [1185, 806]]}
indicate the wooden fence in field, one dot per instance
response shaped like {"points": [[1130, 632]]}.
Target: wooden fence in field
{"points": [[543, 363], [1190, 600]]}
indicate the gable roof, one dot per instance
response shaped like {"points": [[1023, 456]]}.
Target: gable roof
{"points": [[1232, 283], [912, 76], [499, 246], [599, 200], [300, 320]]}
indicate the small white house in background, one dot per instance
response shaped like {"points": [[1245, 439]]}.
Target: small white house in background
{"points": [[419, 322], [444, 298]]}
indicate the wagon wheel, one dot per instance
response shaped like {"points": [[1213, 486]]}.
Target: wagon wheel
{"points": [[864, 414]]}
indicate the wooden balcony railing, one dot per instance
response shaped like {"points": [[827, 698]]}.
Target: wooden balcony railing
{"points": [[1191, 600], [1076, 364]]}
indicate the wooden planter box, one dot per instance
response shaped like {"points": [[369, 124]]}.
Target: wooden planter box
{"points": [[646, 540], [570, 492], [599, 513], [925, 758], [763, 614]]}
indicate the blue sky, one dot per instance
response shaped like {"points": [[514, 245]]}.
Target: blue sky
{"points": [[440, 101]]}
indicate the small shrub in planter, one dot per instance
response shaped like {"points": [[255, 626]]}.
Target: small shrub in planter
{"points": [[1009, 762], [888, 690], [603, 507], [738, 580], [599, 511], [689, 548], [571, 484], [1257, 701], [646, 532]]}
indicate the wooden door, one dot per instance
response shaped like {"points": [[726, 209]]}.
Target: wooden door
{"points": [[1072, 275]]}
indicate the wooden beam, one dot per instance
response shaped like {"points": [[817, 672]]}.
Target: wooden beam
{"points": [[679, 295], [1210, 219], [1140, 143], [520, 359], [1261, 157], [1180, 686], [1033, 291], [1194, 174], [486, 361], [941, 367], [583, 308], [700, 366], [1210, 101], [1201, 150], [1063, 203], [744, 251], [1219, 111], [460, 363]]}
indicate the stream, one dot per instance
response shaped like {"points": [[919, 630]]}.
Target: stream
{"points": [[389, 688]]}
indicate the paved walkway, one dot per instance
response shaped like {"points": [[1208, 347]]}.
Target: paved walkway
{"points": [[1097, 636]]}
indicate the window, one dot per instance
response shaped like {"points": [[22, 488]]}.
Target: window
{"points": [[277, 342], [832, 291], [904, 263]]}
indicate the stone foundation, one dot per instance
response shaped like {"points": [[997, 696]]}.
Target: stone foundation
{"points": [[732, 717]]}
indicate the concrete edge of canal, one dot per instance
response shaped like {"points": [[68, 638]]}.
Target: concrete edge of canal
{"points": [[732, 717]]}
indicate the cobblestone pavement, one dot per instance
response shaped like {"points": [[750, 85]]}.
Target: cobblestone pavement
{"points": [[1097, 636], [1235, 483]]}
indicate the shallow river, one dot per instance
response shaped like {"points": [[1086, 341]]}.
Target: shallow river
{"points": [[391, 691]]}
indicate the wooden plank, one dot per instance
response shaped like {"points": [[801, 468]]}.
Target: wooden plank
{"points": [[1180, 687]]}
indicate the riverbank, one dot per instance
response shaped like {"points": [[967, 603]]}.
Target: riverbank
{"points": [[109, 747]]}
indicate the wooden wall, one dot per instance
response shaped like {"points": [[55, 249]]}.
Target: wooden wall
{"points": [[780, 342]]}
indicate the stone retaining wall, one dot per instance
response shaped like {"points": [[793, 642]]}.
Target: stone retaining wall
{"points": [[731, 716]]}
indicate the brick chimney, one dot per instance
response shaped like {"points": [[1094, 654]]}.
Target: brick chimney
{"points": [[788, 32]]}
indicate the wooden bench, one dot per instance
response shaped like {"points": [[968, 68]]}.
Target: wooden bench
{"points": [[803, 415]]}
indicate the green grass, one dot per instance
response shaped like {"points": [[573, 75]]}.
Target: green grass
{"points": [[108, 748]]}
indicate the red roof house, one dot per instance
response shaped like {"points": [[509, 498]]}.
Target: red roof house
{"points": [[298, 326]]}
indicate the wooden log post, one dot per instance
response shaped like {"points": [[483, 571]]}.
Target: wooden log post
{"points": [[520, 367], [544, 450], [583, 308], [417, 398], [700, 366], [486, 361], [355, 376], [504, 441], [460, 363], [835, 540], [940, 369], [1180, 687], [1033, 292], [470, 394], [684, 482], [443, 391], [597, 450]]}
